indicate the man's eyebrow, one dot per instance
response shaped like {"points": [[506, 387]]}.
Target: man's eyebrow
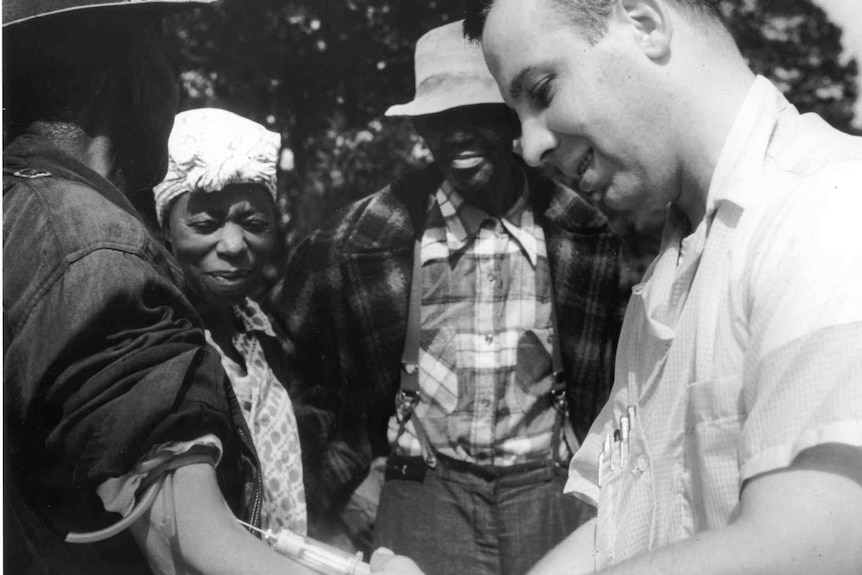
{"points": [[516, 86]]}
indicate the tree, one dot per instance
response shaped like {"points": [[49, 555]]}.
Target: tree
{"points": [[794, 44]]}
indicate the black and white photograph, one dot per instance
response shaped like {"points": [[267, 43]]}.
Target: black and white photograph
{"points": [[453, 287]]}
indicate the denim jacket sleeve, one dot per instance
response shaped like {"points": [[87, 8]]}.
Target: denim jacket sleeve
{"points": [[114, 370], [103, 357]]}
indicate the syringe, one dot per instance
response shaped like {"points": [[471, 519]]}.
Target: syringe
{"points": [[315, 555]]}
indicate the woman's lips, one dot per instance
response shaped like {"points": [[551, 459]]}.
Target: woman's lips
{"points": [[229, 276]]}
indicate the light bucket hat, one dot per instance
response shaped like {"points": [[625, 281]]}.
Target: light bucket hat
{"points": [[450, 72], [210, 148]]}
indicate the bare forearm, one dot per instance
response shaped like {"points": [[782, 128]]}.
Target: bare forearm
{"points": [[711, 553], [734, 551], [797, 521], [201, 536]]}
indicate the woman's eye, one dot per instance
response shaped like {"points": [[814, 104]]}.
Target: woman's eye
{"points": [[540, 93], [256, 225], [204, 226]]}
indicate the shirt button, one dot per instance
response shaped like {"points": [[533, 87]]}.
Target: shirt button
{"points": [[489, 339], [491, 276], [485, 402]]}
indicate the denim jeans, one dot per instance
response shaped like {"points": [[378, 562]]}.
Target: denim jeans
{"points": [[470, 519]]}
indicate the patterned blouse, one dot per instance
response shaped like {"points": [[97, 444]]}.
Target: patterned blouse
{"points": [[269, 414]]}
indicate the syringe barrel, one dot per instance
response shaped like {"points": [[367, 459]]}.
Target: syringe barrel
{"points": [[320, 557]]}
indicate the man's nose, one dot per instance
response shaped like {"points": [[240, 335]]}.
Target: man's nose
{"points": [[232, 241], [537, 142]]}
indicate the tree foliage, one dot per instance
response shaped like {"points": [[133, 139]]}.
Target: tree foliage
{"points": [[797, 47], [322, 72]]}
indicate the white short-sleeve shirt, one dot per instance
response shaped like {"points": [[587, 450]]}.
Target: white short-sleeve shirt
{"points": [[742, 347]]}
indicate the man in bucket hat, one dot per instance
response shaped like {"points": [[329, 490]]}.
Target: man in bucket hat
{"points": [[429, 307], [111, 395]]}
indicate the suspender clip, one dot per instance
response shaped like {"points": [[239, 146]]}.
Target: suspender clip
{"points": [[559, 398], [408, 397]]}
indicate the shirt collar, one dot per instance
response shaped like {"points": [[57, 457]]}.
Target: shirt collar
{"points": [[463, 220], [741, 159]]}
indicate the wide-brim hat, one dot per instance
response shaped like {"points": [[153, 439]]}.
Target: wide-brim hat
{"points": [[17, 11], [450, 72]]}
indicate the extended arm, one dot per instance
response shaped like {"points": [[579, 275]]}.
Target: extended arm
{"points": [[796, 521], [192, 530]]}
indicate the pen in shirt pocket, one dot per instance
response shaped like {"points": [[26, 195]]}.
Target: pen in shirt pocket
{"points": [[606, 447], [625, 428]]}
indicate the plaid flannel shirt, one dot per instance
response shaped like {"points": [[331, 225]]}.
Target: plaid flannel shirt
{"points": [[343, 307], [486, 340]]}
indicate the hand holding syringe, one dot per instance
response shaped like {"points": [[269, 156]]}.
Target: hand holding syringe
{"points": [[315, 555]]}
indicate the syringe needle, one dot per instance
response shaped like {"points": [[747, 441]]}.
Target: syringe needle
{"points": [[261, 531]]}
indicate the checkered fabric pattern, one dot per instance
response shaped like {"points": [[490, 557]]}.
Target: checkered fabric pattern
{"points": [[485, 367]]}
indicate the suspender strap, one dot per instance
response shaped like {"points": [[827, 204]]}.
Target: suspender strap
{"points": [[562, 425], [409, 395], [410, 357]]}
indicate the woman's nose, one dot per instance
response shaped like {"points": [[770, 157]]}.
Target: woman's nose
{"points": [[537, 142], [232, 240]]}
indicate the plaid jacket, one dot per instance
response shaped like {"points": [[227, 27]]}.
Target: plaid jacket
{"points": [[343, 305]]}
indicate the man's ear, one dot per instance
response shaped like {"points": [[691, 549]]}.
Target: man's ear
{"points": [[651, 23]]}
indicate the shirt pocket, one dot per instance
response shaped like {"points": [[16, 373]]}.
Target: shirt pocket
{"points": [[716, 417], [626, 500], [438, 373], [533, 369]]}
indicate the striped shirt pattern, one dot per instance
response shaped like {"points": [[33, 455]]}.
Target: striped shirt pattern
{"points": [[485, 342]]}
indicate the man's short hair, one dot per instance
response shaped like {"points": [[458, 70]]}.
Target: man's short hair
{"points": [[590, 17]]}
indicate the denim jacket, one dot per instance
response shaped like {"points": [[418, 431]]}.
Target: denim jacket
{"points": [[103, 358]]}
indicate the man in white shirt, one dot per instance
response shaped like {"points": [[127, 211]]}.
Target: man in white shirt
{"points": [[731, 443]]}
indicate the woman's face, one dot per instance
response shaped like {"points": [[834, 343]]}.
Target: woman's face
{"points": [[223, 240]]}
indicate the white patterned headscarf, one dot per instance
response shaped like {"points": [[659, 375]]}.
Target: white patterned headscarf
{"points": [[210, 148]]}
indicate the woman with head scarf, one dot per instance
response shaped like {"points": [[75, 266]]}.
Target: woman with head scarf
{"points": [[217, 209]]}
